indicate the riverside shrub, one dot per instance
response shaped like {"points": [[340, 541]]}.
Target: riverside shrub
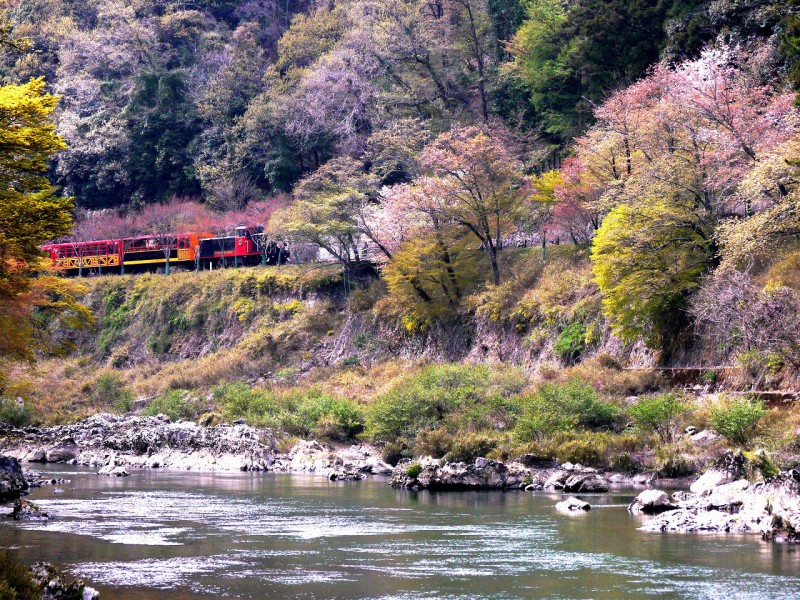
{"points": [[108, 389], [467, 448], [458, 397], [17, 414], [659, 414], [176, 404], [16, 582], [563, 407], [737, 419], [300, 412]]}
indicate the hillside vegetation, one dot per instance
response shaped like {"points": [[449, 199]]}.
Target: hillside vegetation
{"points": [[537, 372], [530, 206]]}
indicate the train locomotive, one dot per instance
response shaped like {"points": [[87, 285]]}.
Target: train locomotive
{"points": [[248, 246]]}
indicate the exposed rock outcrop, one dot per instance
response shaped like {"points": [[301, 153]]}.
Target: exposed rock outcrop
{"points": [[483, 474], [144, 442], [350, 464], [28, 511], [770, 508], [486, 474], [12, 480], [573, 504], [574, 479], [55, 586]]}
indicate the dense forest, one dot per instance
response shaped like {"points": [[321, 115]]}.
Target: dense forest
{"points": [[659, 139], [230, 100]]}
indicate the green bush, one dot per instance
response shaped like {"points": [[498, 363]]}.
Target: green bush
{"points": [[571, 342], [394, 452], [672, 462], [330, 417], [585, 451], [759, 463], [660, 414], [108, 389], [16, 582], [461, 396], [15, 413], [305, 413], [176, 404], [737, 419], [434, 443], [469, 447], [563, 407], [413, 470]]}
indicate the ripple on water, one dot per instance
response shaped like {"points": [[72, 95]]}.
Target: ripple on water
{"points": [[267, 539], [164, 574]]}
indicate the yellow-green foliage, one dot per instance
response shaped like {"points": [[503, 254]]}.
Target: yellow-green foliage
{"points": [[31, 212], [646, 259], [427, 280], [190, 314], [16, 582]]}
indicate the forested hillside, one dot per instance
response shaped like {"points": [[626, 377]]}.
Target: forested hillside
{"points": [[432, 145], [231, 99]]}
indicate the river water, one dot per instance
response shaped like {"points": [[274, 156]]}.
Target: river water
{"points": [[177, 535]]}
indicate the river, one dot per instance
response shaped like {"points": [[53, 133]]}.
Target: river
{"points": [[179, 535]]}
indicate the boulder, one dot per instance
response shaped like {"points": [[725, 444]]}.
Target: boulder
{"points": [[55, 586], [27, 511], [557, 480], [687, 520], [710, 479], [573, 504], [66, 450], [113, 470], [651, 502], [771, 508], [12, 480], [704, 437], [585, 483]]}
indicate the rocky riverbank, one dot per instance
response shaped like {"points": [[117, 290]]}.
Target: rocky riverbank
{"points": [[526, 472], [724, 499], [770, 508], [114, 444]]}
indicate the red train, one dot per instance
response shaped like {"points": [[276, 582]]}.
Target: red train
{"points": [[248, 246]]}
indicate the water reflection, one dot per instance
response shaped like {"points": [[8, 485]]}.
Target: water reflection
{"points": [[190, 535]]}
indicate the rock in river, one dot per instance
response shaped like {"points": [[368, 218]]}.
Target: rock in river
{"points": [[651, 502], [483, 474], [142, 442], [56, 587], [28, 511], [771, 508], [573, 504], [12, 481]]}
